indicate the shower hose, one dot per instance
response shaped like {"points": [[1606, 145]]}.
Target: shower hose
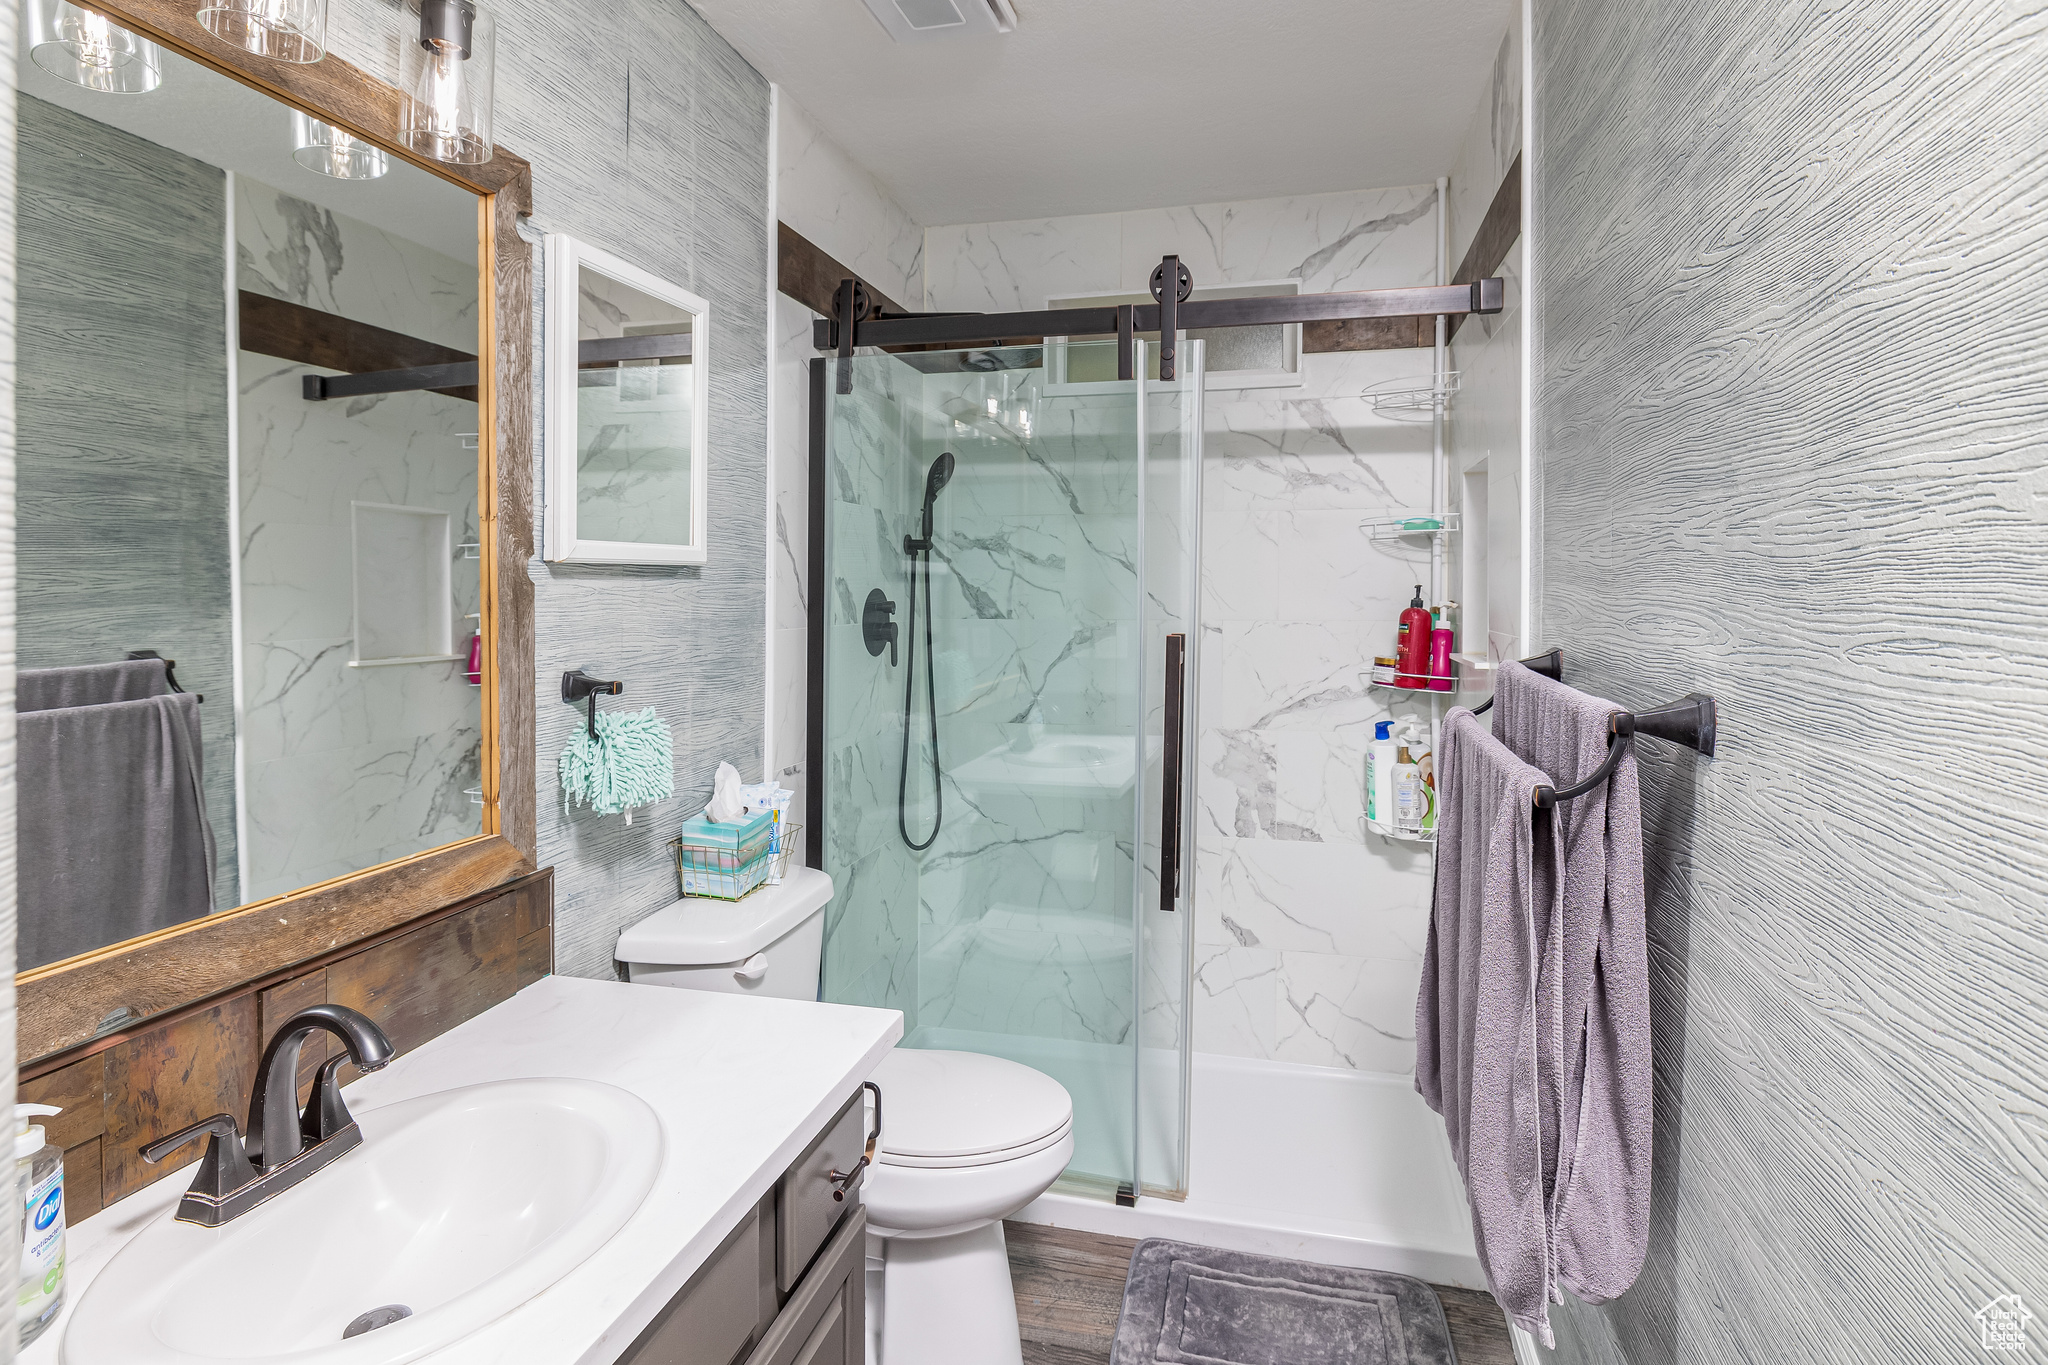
{"points": [[921, 571]]}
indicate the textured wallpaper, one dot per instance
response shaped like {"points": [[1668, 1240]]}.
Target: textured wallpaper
{"points": [[1791, 416], [10, 1247], [124, 422], [648, 136]]}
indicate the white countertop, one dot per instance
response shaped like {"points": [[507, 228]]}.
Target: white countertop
{"points": [[741, 1085]]}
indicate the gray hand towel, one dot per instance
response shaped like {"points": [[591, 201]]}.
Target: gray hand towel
{"points": [[1600, 1200], [47, 689], [1482, 1027], [111, 824]]}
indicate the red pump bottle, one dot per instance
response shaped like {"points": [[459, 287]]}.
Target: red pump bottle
{"points": [[1412, 654]]}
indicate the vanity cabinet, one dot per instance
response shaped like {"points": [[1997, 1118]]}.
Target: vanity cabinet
{"points": [[788, 1285]]}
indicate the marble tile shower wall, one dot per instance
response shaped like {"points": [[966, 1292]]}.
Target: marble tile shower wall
{"points": [[1309, 931], [346, 767], [1024, 899], [656, 150]]}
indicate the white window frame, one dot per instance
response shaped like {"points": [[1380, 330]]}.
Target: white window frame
{"points": [[566, 259]]}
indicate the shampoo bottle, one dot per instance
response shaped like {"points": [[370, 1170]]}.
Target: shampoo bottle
{"points": [[1413, 651], [39, 1178], [1379, 776]]}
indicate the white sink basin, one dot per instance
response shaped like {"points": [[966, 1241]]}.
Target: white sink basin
{"points": [[460, 1205]]}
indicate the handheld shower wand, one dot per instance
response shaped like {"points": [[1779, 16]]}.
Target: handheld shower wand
{"points": [[919, 549]]}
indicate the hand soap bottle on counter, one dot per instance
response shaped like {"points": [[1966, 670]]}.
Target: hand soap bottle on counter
{"points": [[39, 1182]]}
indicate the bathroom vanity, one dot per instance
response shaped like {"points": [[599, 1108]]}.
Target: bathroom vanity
{"points": [[737, 1249]]}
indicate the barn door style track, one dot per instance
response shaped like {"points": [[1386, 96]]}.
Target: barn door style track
{"points": [[856, 320]]}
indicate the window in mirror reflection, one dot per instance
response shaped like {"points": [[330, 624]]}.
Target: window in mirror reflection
{"points": [[311, 567]]}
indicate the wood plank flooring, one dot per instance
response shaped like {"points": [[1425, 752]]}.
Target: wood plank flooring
{"points": [[1070, 1287]]}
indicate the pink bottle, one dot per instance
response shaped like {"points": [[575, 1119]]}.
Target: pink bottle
{"points": [[1440, 679], [475, 671]]}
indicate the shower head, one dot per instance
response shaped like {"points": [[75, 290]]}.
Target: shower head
{"points": [[941, 474]]}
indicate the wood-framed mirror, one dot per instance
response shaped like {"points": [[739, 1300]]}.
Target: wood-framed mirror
{"points": [[219, 464]]}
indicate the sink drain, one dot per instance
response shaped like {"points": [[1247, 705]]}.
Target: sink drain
{"points": [[375, 1318]]}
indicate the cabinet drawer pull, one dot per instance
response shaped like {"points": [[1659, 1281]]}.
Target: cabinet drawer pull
{"points": [[841, 1183]]}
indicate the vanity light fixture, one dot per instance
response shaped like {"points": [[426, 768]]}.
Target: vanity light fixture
{"points": [[324, 148], [79, 45], [447, 112], [284, 30]]}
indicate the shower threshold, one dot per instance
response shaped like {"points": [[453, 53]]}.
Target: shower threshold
{"points": [[1313, 1163]]}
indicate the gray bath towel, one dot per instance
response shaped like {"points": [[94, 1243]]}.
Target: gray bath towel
{"points": [[1484, 1031], [111, 823], [1600, 1200], [47, 689]]}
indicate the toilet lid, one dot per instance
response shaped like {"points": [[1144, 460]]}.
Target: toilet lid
{"points": [[947, 1106]]}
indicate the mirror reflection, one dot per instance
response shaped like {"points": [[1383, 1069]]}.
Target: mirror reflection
{"points": [[248, 611]]}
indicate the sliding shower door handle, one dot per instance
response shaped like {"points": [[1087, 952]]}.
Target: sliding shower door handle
{"points": [[1170, 772]]}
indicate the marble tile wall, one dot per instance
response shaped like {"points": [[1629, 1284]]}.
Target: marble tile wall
{"points": [[838, 207], [347, 767], [657, 151], [1309, 931]]}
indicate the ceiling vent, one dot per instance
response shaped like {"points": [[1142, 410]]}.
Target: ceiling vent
{"points": [[917, 21]]}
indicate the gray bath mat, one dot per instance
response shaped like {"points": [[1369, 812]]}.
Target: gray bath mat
{"points": [[1190, 1305]]}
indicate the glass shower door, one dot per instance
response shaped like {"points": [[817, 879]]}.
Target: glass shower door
{"points": [[993, 708]]}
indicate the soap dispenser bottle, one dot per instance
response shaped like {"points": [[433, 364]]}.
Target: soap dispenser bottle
{"points": [[39, 1178], [1413, 650]]}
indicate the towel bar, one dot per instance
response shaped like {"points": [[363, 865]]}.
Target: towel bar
{"points": [[1689, 721]]}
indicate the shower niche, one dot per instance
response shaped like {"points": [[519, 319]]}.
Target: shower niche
{"points": [[1003, 568]]}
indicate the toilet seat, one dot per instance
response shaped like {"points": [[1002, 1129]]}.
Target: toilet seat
{"points": [[887, 1158], [948, 1110]]}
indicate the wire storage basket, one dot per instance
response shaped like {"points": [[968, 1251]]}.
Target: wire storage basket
{"points": [[729, 873]]}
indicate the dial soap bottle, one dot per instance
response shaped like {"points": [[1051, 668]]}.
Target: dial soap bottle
{"points": [[39, 1178]]}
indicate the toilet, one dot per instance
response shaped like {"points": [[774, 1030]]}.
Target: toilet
{"points": [[967, 1140], [767, 943]]}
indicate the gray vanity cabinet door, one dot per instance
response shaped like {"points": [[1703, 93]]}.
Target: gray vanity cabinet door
{"points": [[805, 1209], [826, 1321], [728, 1300]]}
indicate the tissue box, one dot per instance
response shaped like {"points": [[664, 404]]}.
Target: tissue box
{"points": [[724, 861]]}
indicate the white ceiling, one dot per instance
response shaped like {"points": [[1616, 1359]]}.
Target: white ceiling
{"points": [[224, 123], [1093, 106]]}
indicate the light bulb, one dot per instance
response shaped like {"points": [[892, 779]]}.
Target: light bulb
{"points": [[83, 47], [327, 150], [90, 38], [448, 104], [440, 94]]}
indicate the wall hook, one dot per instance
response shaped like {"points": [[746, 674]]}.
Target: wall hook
{"points": [[580, 686]]}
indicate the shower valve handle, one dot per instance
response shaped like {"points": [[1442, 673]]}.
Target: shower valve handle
{"points": [[878, 625]]}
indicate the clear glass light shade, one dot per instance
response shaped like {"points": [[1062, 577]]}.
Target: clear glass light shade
{"points": [[79, 45], [447, 113], [324, 148], [283, 30]]}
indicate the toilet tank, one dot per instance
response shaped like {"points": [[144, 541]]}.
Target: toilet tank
{"points": [[768, 942]]}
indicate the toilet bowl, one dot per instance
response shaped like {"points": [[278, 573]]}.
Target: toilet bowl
{"points": [[967, 1140]]}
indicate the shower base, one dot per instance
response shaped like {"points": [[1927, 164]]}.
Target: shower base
{"points": [[1307, 1162]]}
